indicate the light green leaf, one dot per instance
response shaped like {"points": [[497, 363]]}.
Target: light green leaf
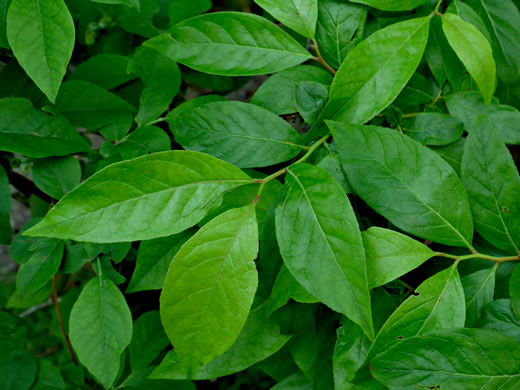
{"points": [[28, 131], [100, 329], [455, 359], [148, 340], [105, 70], [17, 369], [474, 51], [499, 316], [242, 134], [390, 255], [276, 94], [321, 245], [39, 269], [502, 19], [211, 281], [231, 44], [149, 197], [393, 5], [162, 78], [469, 15], [438, 303], [129, 3], [514, 291], [259, 339], [310, 98], [153, 259], [479, 288], [299, 15], [6, 232], [406, 182], [41, 35], [180, 10], [376, 70], [492, 181], [87, 105], [285, 288], [340, 27], [56, 175], [433, 128]]}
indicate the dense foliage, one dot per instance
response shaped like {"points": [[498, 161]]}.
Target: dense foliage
{"points": [[350, 221]]}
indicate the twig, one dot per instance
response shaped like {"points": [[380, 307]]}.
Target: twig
{"points": [[60, 320]]}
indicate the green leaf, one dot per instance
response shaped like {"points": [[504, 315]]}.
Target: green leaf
{"points": [[452, 154], [139, 380], [467, 106], [433, 128], [340, 27], [479, 288], [285, 288], [140, 199], [153, 259], [4, 5], [405, 182], [17, 369], [148, 340], [259, 339], [514, 291], [41, 35], [144, 140], [180, 10], [469, 15], [103, 266], [39, 269], [56, 175], [299, 15], [390, 255], [321, 244], [6, 232], [474, 51], [129, 3], [502, 20], [105, 70], [492, 181], [438, 303], [87, 105], [276, 94], [310, 98], [499, 316], [28, 131], [162, 78], [49, 377], [393, 5], [190, 104], [100, 328], [211, 281], [455, 359], [376, 70], [332, 165], [242, 134], [233, 44]]}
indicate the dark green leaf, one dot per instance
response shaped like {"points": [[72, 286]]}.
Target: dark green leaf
{"points": [[405, 182], [41, 35], [310, 98], [332, 165], [211, 281], [129, 3], [499, 316], [455, 359], [492, 181], [514, 291], [49, 377], [105, 70], [4, 5], [299, 15], [340, 27], [393, 5], [276, 94], [321, 244], [479, 288], [17, 369], [473, 50], [144, 140], [28, 131], [56, 175], [153, 259], [162, 78], [232, 44], [103, 266], [100, 329], [259, 339], [148, 340], [390, 255], [376, 70], [242, 134], [433, 128], [452, 154], [6, 232], [180, 10], [140, 200]]}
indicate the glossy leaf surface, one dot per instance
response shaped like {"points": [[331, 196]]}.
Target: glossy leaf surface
{"points": [[299, 15]]}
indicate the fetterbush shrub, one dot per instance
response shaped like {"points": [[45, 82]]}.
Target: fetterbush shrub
{"points": [[150, 173]]}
